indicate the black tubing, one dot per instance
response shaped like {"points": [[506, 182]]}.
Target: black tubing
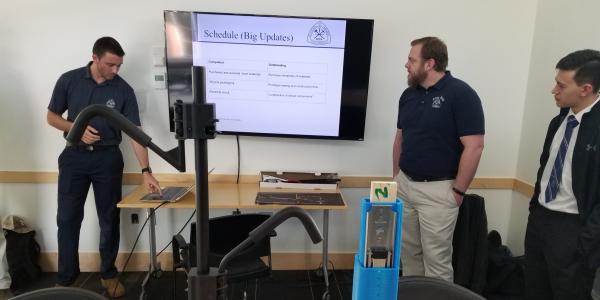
{"points": [[114, 117], [269, 225]]}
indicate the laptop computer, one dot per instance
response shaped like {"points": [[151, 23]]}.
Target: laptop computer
{"points": [[169, 194]]}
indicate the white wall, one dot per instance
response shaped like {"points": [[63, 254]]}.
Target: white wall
{"points": [[47, 38], [490, 43], [560, 29], [517, 223]]}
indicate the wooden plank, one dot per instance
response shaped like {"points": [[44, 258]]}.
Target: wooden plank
{"points": [[187, 179], [523, 187]]}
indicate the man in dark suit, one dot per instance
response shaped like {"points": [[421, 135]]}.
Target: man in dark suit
{"points": [[596, 288], [562, 243]]}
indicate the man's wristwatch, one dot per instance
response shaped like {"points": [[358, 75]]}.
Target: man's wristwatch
{"points": [[458, 191], [147, 169]]}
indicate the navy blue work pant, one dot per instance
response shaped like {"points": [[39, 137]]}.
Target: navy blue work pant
{"points": [[554, 270], [78, 168]]}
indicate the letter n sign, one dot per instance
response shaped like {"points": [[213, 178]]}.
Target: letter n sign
{"points": [[383, 191]]}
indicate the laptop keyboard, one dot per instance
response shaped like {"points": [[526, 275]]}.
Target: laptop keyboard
{"points": [[171, 193], [300, 198]]}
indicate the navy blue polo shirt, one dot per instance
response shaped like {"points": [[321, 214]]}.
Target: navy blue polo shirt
{"points": [[76, 90], [432, 121]]}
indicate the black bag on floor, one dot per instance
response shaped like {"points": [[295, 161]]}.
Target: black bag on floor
{"points": [[505, 272], [22, 254]]}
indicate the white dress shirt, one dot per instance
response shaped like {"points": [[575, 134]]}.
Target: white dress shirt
{"points": [[565, 199]]}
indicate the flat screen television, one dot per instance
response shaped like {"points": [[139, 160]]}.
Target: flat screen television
{"points": [[282, 76]]}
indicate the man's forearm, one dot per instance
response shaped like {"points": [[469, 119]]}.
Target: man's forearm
{"points": [[396, 150], [141, 153], [469, 161], [57, 121], [396, 160]]}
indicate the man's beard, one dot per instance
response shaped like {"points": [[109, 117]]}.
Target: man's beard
{"points": [[416, 79]]}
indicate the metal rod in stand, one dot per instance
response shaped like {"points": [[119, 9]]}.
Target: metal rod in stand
{"points": [[201, 206], [154, 264], [199, 93], [325, 245], [197, 121]]}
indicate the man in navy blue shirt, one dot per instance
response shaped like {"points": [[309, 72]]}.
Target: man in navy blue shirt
{"points": [[438, 144], [97, 160]]}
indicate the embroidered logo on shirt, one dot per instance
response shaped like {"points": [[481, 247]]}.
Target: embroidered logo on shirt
{"points": [[437, 102], [589, 147], [111, 103]]}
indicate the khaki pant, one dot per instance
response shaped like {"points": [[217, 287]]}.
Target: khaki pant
{"points": [[429, 218]]}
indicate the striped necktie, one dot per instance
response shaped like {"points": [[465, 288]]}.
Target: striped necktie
{"points": [[556, 175]]}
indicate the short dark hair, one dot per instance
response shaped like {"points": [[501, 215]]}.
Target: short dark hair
{"points": [[107, 44], [586, 64], [433, 48]]}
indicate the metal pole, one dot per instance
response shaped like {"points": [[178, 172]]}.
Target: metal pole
{"points": [[199, 93], [152, 232], [325, 244], [201, 206]]}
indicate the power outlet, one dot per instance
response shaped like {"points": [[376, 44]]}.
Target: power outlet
{"points": [[135, 219]]}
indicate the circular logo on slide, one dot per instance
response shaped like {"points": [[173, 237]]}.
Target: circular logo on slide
{"points": [[319, 34]]}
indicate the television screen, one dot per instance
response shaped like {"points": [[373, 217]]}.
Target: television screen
{"points": [[274, 75]]}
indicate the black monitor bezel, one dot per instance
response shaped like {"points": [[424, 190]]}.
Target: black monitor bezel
{"points": [[355, 82]]}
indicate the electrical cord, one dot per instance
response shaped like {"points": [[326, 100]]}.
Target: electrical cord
{"points": [[325, 295], [312, 293], [182, 228], [167, 246], [180, 231], [237, 139], [135, 243], [337, 283]]}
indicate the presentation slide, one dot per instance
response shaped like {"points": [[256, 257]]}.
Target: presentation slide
{"points": [[272, 74]]}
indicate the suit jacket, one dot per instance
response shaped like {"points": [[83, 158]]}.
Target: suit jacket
{"points": [[585, 180]]}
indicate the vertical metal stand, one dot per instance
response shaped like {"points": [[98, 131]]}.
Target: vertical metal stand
{"points": [[154, 268], [202, 206], [197, 121], [154, 264], [325, 245]]}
